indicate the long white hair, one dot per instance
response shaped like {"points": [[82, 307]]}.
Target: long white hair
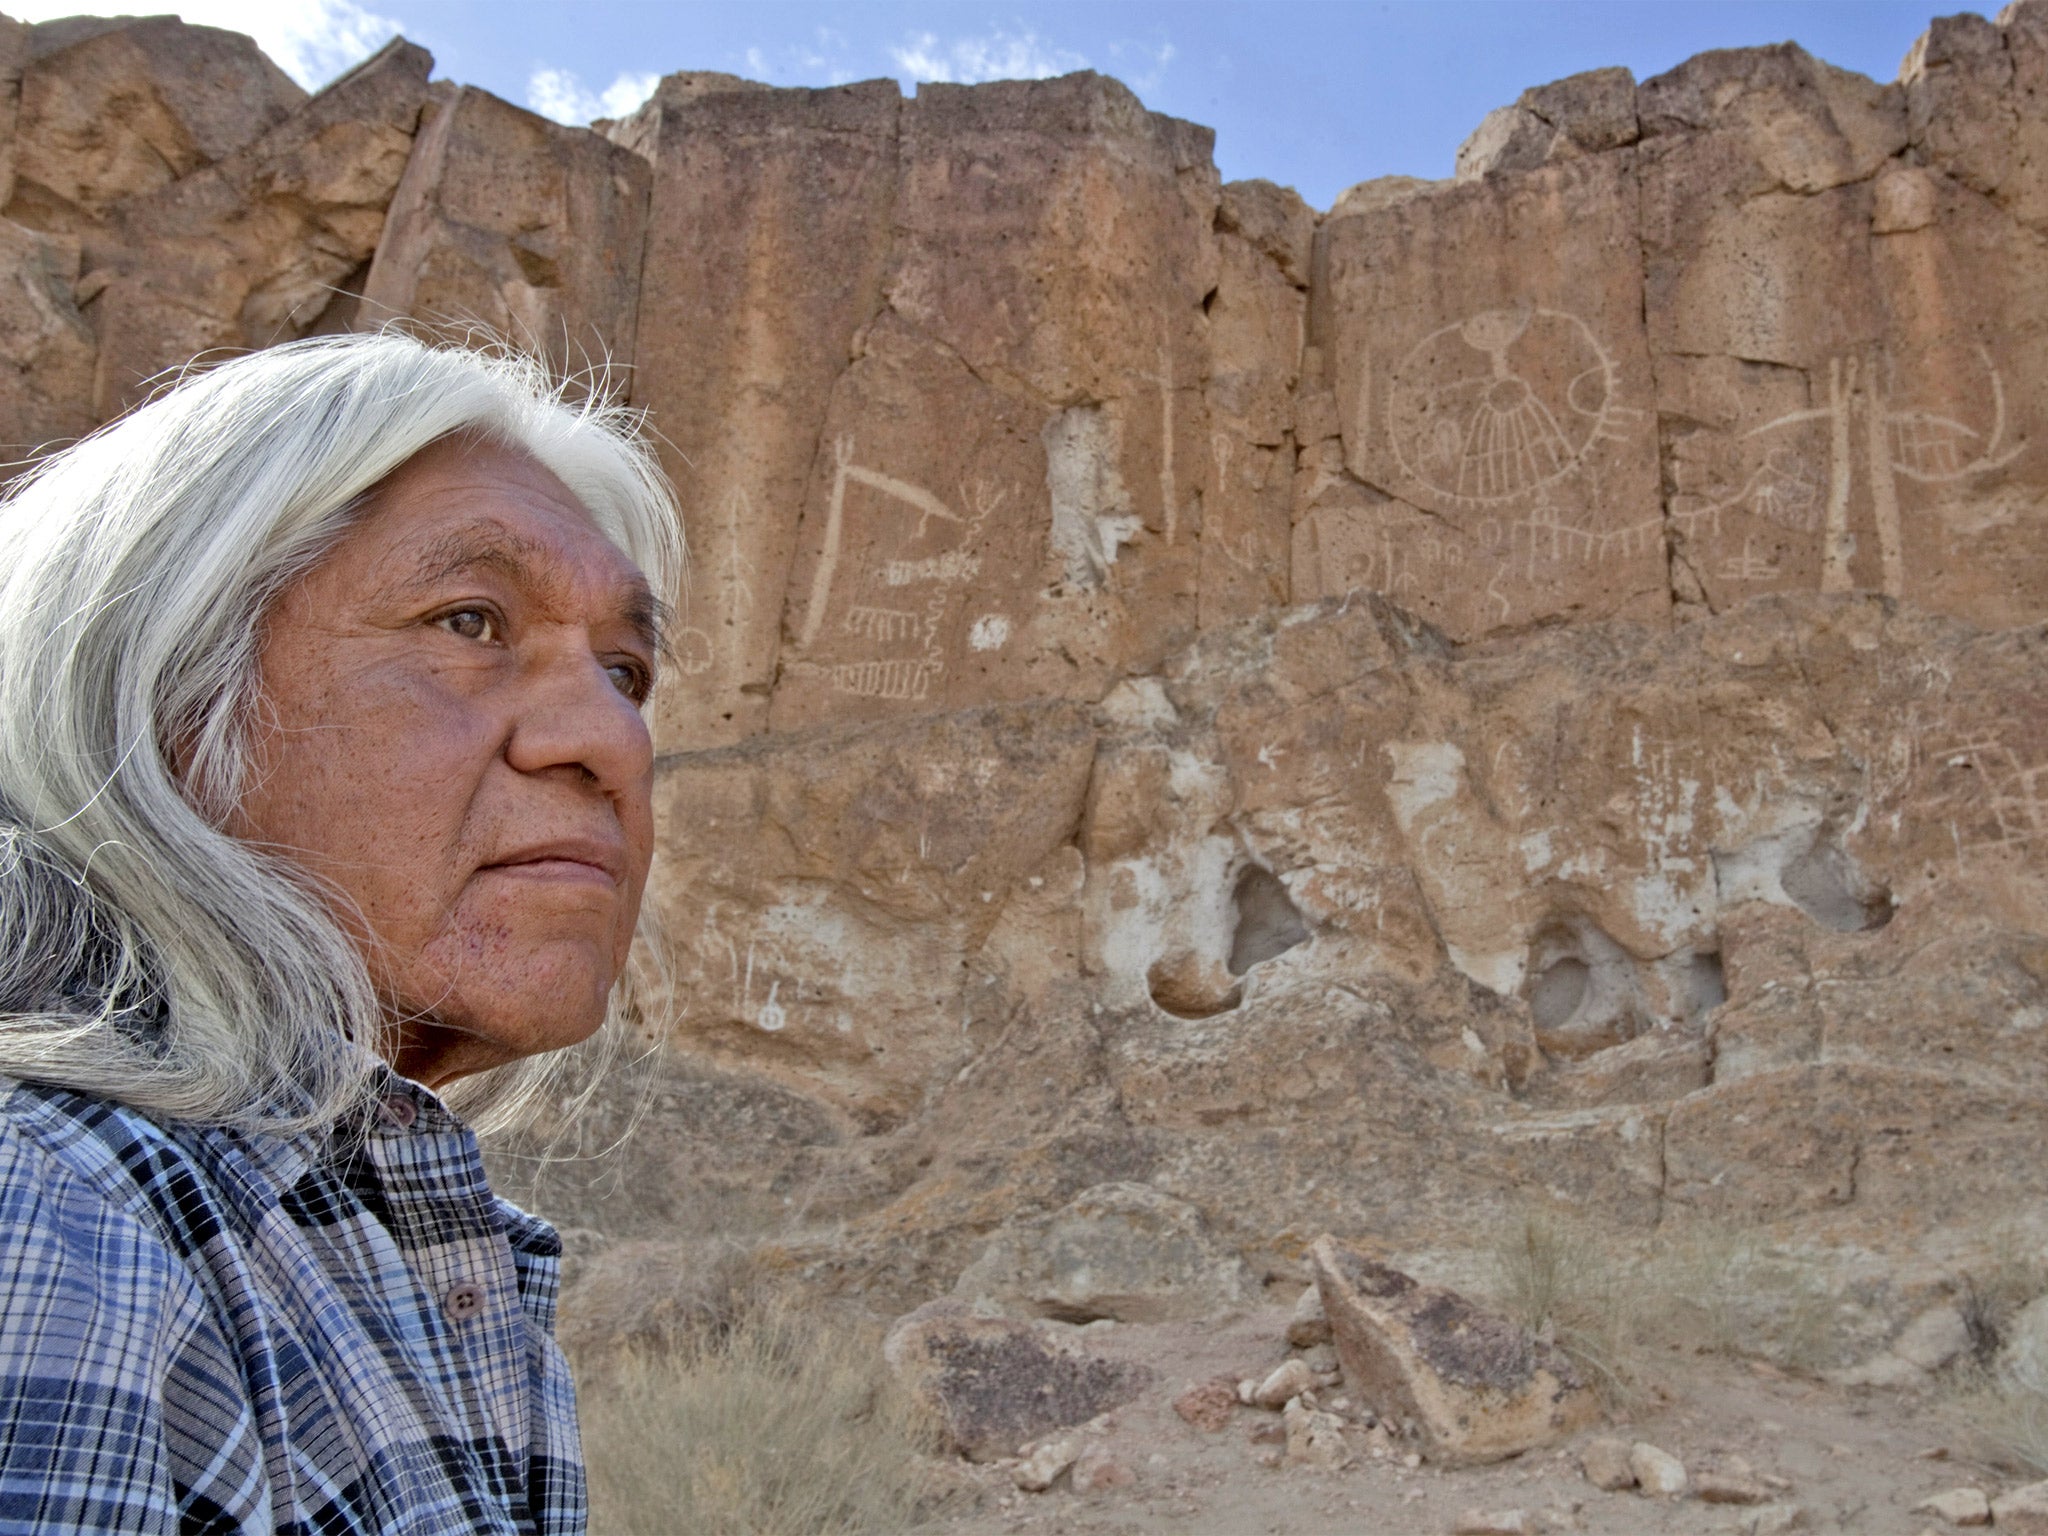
{"points": [[145, 955]]}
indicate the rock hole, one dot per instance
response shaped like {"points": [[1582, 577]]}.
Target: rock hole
{"points": [[1583, 991], [1191, 986], [1826, 885], [1703, 985], [1559, 992], [1268, 922], [1209, 301]]}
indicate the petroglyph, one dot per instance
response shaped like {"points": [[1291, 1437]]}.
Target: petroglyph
{"points": [[737, 590], [911, 679], [845, 473], [1169, 490], [1475, 412], [885, 590], [954, 565], [880, 623], [1988, 791], [1869, 438], [693, 653], [1748, 566]]}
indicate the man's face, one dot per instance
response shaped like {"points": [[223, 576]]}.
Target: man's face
{"points": [[451, 739]]}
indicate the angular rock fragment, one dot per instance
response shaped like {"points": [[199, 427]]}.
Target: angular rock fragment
{"points": [[1471, 1385], [995, 1384], [1043, 1463], [1723, 1487], [1315, 1438], [1309, 1325]]}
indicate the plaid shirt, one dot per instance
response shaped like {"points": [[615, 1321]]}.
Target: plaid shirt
{"points": [[206, 1331]]}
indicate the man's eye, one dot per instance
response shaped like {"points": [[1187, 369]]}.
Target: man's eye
{"points": [[470, 624], [630, 679]]}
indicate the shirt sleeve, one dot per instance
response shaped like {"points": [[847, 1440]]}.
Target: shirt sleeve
{"points": [[122, 1408]]}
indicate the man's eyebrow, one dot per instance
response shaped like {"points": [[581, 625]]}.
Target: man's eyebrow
{"points": [[522, 560], [466, 549]]}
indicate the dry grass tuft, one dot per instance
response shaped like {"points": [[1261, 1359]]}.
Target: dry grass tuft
{"points": [[2007, 1408], [2002, 1393], [1710, 1290], [768, 1420], [1559, 1281]]}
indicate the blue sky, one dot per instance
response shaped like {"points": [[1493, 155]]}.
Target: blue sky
{"points": [[1317, 94]]}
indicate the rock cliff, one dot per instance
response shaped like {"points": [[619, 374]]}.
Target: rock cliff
{"points": [[1515, 689]]}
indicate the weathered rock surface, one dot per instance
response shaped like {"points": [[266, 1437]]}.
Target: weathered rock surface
{"points": [[1123, 1251], [1521, 688], [997, 1385], [529, 229], [1958, 1506], [2022, 1511], [113, 107], [1468, 1385]]}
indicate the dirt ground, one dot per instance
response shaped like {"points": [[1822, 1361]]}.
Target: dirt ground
{"points": [[1850, 1460]]}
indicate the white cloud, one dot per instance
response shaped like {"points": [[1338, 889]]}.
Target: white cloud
{"points": [[310, 40], [999, 55], [1142, 66], [822, 62], [562, 95]]}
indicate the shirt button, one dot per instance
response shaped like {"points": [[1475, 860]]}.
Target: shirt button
{"points": [[463, 1302], [400, 1111]]}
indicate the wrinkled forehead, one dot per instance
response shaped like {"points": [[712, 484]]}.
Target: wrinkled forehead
{"points": [[464, 509]]}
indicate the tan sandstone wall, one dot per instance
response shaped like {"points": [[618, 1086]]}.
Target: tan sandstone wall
{"points": [[1516, 688]]}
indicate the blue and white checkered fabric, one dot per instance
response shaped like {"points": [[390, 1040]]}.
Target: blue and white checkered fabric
{"points": [[206, 1331]]}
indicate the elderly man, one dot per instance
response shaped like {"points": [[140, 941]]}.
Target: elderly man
{"points": [[324, 815]]}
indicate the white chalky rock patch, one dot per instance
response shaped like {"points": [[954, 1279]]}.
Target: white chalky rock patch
{"points": [[989, 632]]}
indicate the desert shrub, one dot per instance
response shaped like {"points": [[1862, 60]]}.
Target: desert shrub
{"points": [[769, 1420]]}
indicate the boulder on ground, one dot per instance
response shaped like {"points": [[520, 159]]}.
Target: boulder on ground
{"points": [[1659, 1474], [1472, 1386], [995, 1384]]}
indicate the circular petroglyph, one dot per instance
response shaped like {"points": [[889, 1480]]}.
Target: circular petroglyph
{"points": [[1500, 403], [692, 652]]}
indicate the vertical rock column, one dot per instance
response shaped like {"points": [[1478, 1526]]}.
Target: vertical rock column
{"points": [[768, 232], [1008, 500], [532, 230]]}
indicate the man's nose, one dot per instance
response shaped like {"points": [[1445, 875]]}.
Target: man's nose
{"points": [[570, 713]]}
